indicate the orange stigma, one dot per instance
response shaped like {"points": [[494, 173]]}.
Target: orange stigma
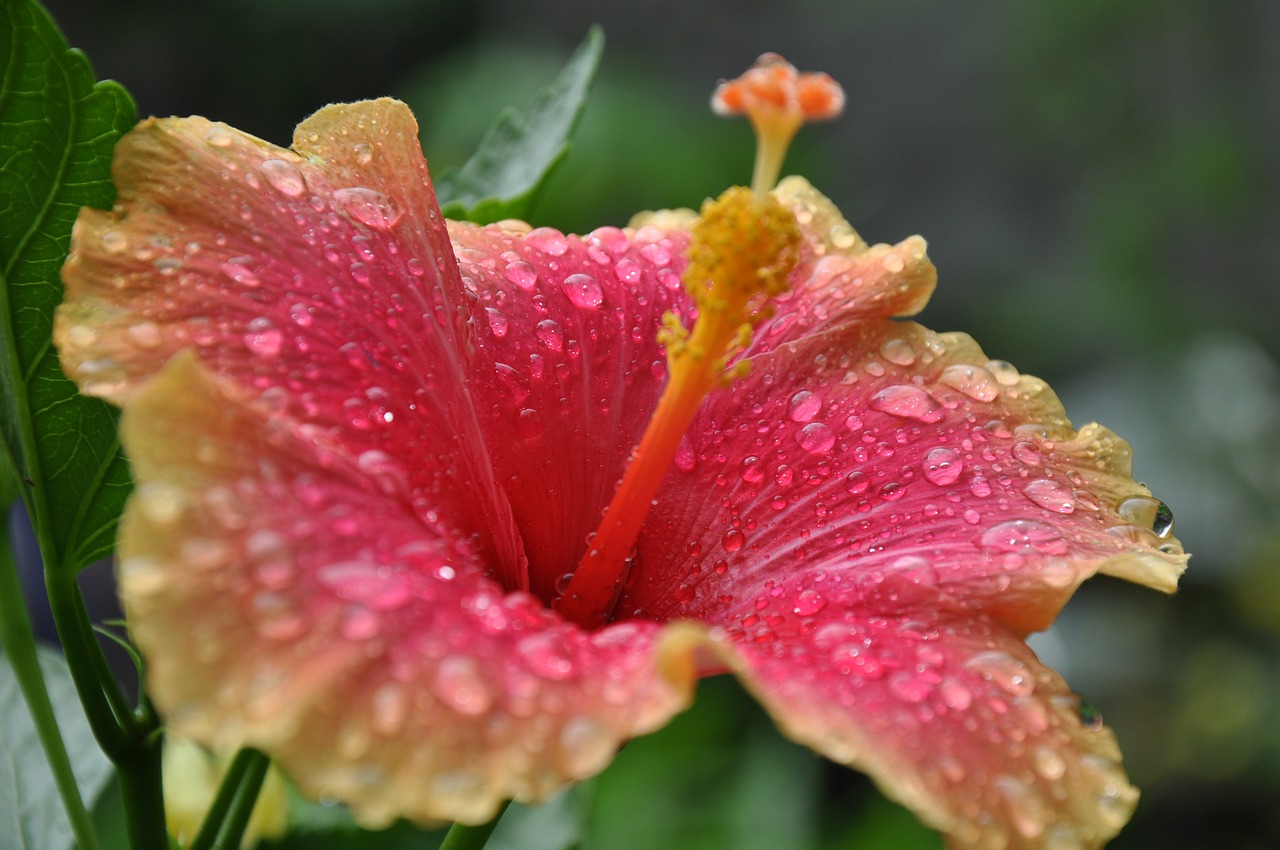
{"points": [[743, 248], [777, 99]]}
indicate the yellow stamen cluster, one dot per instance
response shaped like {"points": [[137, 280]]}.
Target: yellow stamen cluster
{"points": [[741, 252]]}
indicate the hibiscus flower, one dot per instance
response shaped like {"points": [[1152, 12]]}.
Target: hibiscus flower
{"points": [[372, 450]]}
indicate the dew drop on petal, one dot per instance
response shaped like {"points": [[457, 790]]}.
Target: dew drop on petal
{"points": [[1004, 671], [114, 242], [145, 335], [1005, 372], [979, 486], [549, 333], [856, 482], [816, 438], [284, 176], [908, 402], [548, 240], [898, 351], [369, 206], [942, 466], [955, 695], [521, 274], [583, 290], [809, 602], [1023, 535], [804, 406], [974, 381], [542, 655], [459, 685], [498, 324], [1146, 512], [263, 339], [1028, 453], [1027, 811], [1048, 763], [1050, 495], [218, 136], [732, 540], [908, 687]]}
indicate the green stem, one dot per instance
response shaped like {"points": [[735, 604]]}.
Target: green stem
{"points": [[229, 814], [20, 648], [141, 784], [463, 837]]}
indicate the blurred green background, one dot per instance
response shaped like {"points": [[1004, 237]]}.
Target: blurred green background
{"points": [[1098, 182]]}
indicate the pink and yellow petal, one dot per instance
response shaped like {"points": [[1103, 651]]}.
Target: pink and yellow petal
{"points": [[882, 448], [566, 369], [284, 600], [320, 279], [950, 713]]}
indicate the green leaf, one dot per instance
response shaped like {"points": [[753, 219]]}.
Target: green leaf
{"points": [[31, 812], [57, 131], [502, 179]]}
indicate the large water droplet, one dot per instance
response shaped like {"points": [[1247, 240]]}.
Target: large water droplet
{"points": [[1023, 535], [1050, 495], [369, 206], [1003, 670], [803, 406], [942, 466], [974, 381], [521, 274], [583, 290], [549, 333], [908, 402], [284, 176], [816, 438], [1146, 512], [548, 240], [809, 602], [732, 540], [909, 687], [263, 339], [459, 685], [898, 351]]}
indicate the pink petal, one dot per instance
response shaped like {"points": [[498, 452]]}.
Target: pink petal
{"points": [[883, 448], [566, 369], [949, 712], [283, 599], [320, 279]]}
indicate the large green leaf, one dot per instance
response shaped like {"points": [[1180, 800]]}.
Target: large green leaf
{"points": [[57, 130], [31, 812], [503, 177]]}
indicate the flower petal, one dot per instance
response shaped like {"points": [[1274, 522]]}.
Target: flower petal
{"points": [[320, 279], [949, 712], [283, 601], [567, 363], [883, 448]]}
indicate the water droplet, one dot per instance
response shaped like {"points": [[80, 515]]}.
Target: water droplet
{"points": [[1048, 763], [1028, 453], [114, 242], [898, 351], [816, 438], [583, 290], [1022, 535], [1027, 810], [909, 687], [752, 469], [218, 136], [543, 655], [908, 402], [585, 746], [803, 406], [732, 540], [284, 176], [942, 466], [263, 339], [685, 459], [979, 486], [369, 206], [363, 152], [239, 271], [459, 685], [809, 602], [856, 482], [1050, 495], [548, 240], [521, 274], [1004, 371], [1003, 670], [955, 695], [1146, 512], [974, 381], [498, 323], [145, 335], [684, 594], [549, 334], [275, 617], [629, 270]]}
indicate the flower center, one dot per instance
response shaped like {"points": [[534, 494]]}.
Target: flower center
{"points": [[742, 249]]}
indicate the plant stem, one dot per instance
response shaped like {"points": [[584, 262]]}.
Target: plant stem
{"points": [[463, 837], [142, 786], [19, 646], [229, 814]]}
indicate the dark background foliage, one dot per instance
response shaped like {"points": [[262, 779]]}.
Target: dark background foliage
{"points": [[1098, 182]]}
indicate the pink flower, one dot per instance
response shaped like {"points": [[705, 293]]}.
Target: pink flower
{"points": [[370, 445]]}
